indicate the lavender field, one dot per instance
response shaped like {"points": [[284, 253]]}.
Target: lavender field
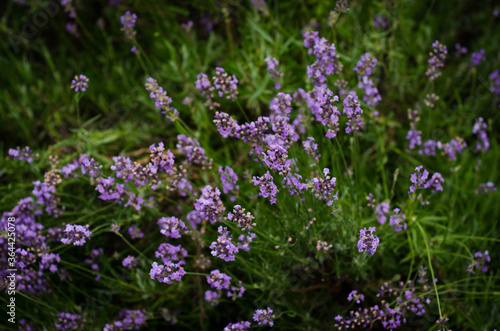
{"points": [[247, 165]]}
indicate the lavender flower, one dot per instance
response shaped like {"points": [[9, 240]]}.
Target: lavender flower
{"points": [[263, 316], [128, 21], [204, 85], [479, 262], [94, 260], [166, 273], [354, 296], [485, 188], [327, 59], [323, 245], [418, 179], [261, 6], [49, 261], [311, 149], [352, 109], [67, 321], [368, 242], [382, 209], [90, 166], [267, 187], [323, 188], [242, 220], [430, 100], [224, 247], [276, 158], [170, 253], [320, 101], [460, 50], [380, 21], [226, 84], [281, 105], [365, 65], [435, 183], [397, 221], [455, 145], [239, 326], [430, 148], [162, 100], [414, 137], [23, 154], [272, 65], [134, 232], [132, 319], [212, 297], [225, 124], [69, 7], [478, 57], [436, 61], [171, 226], [495, 81], [218, 280], [228, 178], [76, 234], [130, 262], [209, 205], [80, 83], [479, 129], [193, 151]]}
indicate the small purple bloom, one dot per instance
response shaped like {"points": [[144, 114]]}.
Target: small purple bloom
{"points": [[130, 262], [171, 226], [263, 316], [368, 242], [76, 234], [218, 280], [166, 273], [128, 21], [397, 221], [478, 57], [80, 83]]}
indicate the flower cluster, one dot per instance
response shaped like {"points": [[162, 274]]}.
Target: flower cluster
{"points": [[323, 245], [204, 85], [242, 220], [407, 301], [272, 65], [130, 262], [162, 100], [49, 261], [264, 316], [166, 273], [194, 152], [327, 60], [323, 188], [218, 280], [479, 129], [419, 180], [80, 83], [226, 125], [320, 101], [414, 134], [94, 260], [227, 85], [397, 221], [23, 154], [135, 232], [267, 187], [170, 253], [128, 21], [354, 296], [430, 100], [352, 109], [76, 234], [460, 50], [364, 70], [495, 83], [67, 321], [224, 247], [171, 226], [130, 320], [485, 188], [438, 55], [368, 242], [382, 209], [228, 179], [379, 22], [478, 57], [90, 166], [479, 262], [311, 149], [239, 326], [209, 205]]}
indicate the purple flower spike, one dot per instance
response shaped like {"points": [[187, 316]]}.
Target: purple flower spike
{"points": [[240, 326], [397, 221], [226, 84], [224, 247], [209, 205], [166, 273], [242, 220], [171, 226], [67, 321], [478, 57], [323, 188], [267, 187], [263, 316], [218, 280], [76, 234], [128, 21], [438, 55], [368, 242], [382, 209]]}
